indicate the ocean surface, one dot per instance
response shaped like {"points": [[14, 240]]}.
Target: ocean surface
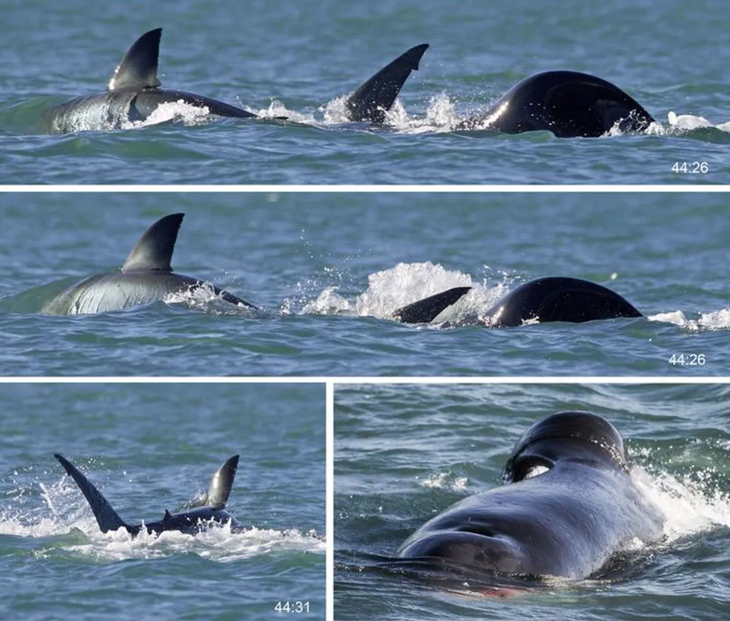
{"points": [[149, 448], [327, 270], [299, 60], [406, 453]]}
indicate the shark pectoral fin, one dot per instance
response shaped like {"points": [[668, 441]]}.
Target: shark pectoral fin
{"points": [[426, 310], [221, 484], [138, 68], [154, 249], [106, 517], [375, 97]]}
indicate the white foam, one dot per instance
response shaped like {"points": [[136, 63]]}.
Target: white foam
{"points": [[217, 543], [204, 298], [391, 289], [335, 111], [712, 321], [329, 302], [444, 480], [277, 109], [173, 112], [680, 124]]}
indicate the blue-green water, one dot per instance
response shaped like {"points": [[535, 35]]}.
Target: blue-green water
{"points": [[329, 269], [299, 59], [149, 448], [406, 453]]}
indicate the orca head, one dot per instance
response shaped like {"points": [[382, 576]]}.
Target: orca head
{"points": [[559, 298], [563, 436], [138, 69], [569, 104]]}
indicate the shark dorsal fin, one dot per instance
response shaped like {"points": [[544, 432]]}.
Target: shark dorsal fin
{"points": [[138, 68], [154, 249], [221, 484], [106, 517], [166, 517]]}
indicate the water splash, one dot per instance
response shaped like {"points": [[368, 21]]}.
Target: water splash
{"points": [[173, 112], [64, 515], [677, 125], [388, 290], [204, 298], [689, 503], [707, 322], [444, 480]]}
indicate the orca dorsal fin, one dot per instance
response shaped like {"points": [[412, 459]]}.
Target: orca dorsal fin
{"points": [[220, 485], [426, 310], [375, 97], [154, 249], [106, 517], [138, 68]]}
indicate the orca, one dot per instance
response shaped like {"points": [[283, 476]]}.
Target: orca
{"points": [[567, 103], [553, 298], [145, 277], [371, 101], [568, 505], [197, 517], [133, 94]]}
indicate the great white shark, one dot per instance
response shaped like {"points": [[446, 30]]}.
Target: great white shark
{"points": [[134, 93], [198, 515], [145, 277], [553, 298]]}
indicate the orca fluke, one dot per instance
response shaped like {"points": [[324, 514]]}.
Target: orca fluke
{"points": [[554, 298], [567, 505], [374, 98], [566, 103], [145, 277], [210, 509], [133, 94]]}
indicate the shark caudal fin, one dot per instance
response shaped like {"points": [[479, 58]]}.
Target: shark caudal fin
{"points": [[154, 249], [106, 517], [373, 99], [426, 310], [220, 486], [138, 68]]}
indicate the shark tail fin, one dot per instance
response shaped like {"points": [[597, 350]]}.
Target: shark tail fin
{"points": [[220, 485], [375, 97], [426, 310], [138, 68], [105, 515], [154, 249]]}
